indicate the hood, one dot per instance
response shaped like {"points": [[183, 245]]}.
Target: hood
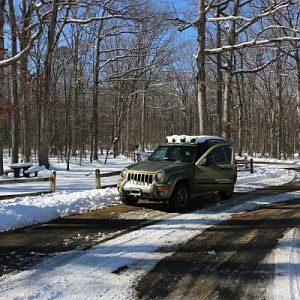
{"points": [[154, 166]]}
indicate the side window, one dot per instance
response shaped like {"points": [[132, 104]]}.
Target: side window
{"points": [[218, 155], [228, 153], [201, 149], [209, 160]]}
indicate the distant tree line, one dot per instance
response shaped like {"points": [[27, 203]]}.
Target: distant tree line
{"points": [[82, 77]]}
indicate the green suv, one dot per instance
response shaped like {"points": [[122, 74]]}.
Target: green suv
{"points": [[181, 169]]}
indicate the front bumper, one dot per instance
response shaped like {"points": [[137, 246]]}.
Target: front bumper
{"points": [[155, 191]]}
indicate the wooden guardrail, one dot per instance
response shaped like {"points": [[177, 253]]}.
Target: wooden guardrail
{"points": [[99, 176], [247, 163], [51, 179]]}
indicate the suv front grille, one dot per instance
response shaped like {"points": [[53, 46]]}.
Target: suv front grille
{"points": [[140, 178]]}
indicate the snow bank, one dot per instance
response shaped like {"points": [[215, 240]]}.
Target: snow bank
{"points": [[263, 177], [21, 212]]}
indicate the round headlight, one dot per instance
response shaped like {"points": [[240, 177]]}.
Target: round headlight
{"points": [[124, 173], [160, 176]]}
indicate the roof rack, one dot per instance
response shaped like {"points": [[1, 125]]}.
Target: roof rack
{"points": [[191, 139]]}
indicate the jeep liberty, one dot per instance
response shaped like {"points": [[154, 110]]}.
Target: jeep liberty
{"points": [[179, 170]]}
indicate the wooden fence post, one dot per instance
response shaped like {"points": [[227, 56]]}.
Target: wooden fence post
{"points": [[53, 182], [251, 166], [98, 182]]}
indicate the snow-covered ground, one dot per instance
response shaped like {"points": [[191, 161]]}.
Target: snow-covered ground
{"points": [[21, 212], [263, 177], [274, 162], [90, 275], [79, 178], [295, 162]]}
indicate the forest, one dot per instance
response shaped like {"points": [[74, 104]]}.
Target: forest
{"points": [[80, 78]]}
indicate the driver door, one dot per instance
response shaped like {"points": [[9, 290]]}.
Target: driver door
{"points": [[214, 171]]}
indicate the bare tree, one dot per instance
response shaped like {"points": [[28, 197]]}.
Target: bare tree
{"points": [[204, 127], [2, 56], [36, 28], [24, 79], [14, 86]]}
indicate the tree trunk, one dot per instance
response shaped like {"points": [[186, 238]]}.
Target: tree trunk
{"points": [[14, 86], [46, 103], [228, 76], [204, 127], [95, 130], [24, 92], [297, 59], [279, 110], [240, 114], [143, 125], [47, 97], [219, 80], [2, 56], [226, 103], [143, 121]]}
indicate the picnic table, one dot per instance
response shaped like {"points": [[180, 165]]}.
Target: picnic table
{"points": [[17, 167]]}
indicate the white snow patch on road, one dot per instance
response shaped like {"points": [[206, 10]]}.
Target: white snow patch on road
{"points": [[286, 283], [110, 270]]}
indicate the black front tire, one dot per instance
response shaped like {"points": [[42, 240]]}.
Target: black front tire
{"points": [[127, 200], [225, 195], [180, 199]]}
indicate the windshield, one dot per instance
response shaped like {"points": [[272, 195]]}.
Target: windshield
{"points": [[176, 153]]}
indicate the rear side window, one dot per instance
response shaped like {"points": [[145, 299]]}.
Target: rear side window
{"points": [[228, 153]]}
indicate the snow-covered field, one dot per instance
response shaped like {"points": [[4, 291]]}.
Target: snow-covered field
{"points": [[295, 162], [79, 178], [90, 275]]}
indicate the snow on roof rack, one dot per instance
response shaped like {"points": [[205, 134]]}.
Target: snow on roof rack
{"points": [[191, 138]]}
